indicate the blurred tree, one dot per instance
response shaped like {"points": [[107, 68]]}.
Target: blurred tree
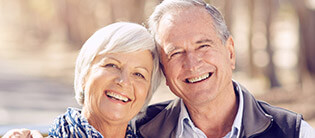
{"points": [[78, 18], [82, 18], [306, 16], [228, 11], [130, 10], [68, 11], [261, 14], [226, 7], [252, 67], [270, 9]]}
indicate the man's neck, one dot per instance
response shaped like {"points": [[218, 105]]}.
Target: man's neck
{"points": [[216, 118]]}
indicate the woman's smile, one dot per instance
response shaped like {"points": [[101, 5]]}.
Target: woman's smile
{"points": [[117, 97]]}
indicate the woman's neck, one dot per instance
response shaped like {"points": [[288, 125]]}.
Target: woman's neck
{"points": [[107, 129]]}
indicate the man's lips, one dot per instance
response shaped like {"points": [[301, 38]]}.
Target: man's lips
{"points": [[117, 96], [199, 78]]}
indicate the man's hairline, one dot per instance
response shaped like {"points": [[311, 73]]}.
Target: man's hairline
{"points": [[157, 26]]}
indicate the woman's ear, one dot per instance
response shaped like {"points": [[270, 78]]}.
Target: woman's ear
{"points": [[84, 80]]}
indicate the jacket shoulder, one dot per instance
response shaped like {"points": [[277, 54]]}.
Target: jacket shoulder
{"points": [[262, 120], [284, 121], [277, 111]]}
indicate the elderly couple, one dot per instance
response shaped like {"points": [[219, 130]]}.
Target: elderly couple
{"points": [[118, 70]]}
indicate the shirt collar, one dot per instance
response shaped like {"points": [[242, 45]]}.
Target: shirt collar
{"points": [[238, 119], [182, 116], [236, 127]]}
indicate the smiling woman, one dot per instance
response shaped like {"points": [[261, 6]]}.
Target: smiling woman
{"points": [[116, 90], [111, 83]]}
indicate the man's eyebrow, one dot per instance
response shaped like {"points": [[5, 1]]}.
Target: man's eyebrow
{"points": [[204, 41], [169, 49]]}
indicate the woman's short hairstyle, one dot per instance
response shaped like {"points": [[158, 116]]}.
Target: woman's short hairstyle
{"points": [[178, 5], [116, 37]]}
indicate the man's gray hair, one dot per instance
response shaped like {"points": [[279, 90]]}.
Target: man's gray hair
{"points": [[170, 5], [117, 37]]}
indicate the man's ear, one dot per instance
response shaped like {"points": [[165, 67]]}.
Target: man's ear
{"points": [[162, 68], [230, 46], [83, 85], [166, 82]]}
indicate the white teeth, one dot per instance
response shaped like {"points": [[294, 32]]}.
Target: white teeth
{"points": [[116, 96], [196, 79]]}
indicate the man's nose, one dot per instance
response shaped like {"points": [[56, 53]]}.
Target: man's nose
{"points": [[192, 61]]}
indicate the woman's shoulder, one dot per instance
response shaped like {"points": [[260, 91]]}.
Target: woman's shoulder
{"points": [[72, 115], [72, 124]]}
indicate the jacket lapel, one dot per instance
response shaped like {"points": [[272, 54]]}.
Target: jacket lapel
{"points": [[164, 125], [255, 120]]}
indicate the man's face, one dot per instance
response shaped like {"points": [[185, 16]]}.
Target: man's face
{"points": [[197, 66]]}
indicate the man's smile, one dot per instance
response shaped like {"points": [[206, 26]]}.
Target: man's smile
{"points": [[199, 78]]}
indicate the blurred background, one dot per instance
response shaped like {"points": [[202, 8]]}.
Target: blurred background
{"points": [[40, 39]]}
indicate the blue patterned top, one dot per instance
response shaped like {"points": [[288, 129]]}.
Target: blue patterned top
{"points": [[73, 125]]}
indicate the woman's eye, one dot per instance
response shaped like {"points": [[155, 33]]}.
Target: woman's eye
{"points": [[139, 75], [111, 65]]}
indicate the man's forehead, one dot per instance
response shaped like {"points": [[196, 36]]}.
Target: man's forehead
{"points": [[168, 17], [167, 21], [184, 13], [174, 18], [175, 25]]}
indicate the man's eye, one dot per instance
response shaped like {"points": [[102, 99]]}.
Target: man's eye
{"points": [[176, 53], [139, 75], [203, 46]]}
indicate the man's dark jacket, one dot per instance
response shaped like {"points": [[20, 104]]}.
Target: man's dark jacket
{"points": [[260, 120]]}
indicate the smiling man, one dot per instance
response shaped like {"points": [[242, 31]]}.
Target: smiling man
{"points": [[197, 56]]}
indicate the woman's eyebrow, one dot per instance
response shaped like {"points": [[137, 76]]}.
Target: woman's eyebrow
{"points": [[109, 58], [144, 68]]}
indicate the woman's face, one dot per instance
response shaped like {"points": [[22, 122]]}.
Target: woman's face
{"points": [[117, 85]]}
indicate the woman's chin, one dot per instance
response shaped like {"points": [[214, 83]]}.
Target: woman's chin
{"points": [[116, 112], [116, 116]]}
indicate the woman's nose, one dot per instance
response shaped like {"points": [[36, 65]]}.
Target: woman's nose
{"points": [[122, 79]]}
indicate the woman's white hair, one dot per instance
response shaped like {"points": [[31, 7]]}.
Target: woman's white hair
{"points": [[168, 6], [116, 37]]}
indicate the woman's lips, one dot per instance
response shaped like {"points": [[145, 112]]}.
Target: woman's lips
{"points": [[117, 96]]}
